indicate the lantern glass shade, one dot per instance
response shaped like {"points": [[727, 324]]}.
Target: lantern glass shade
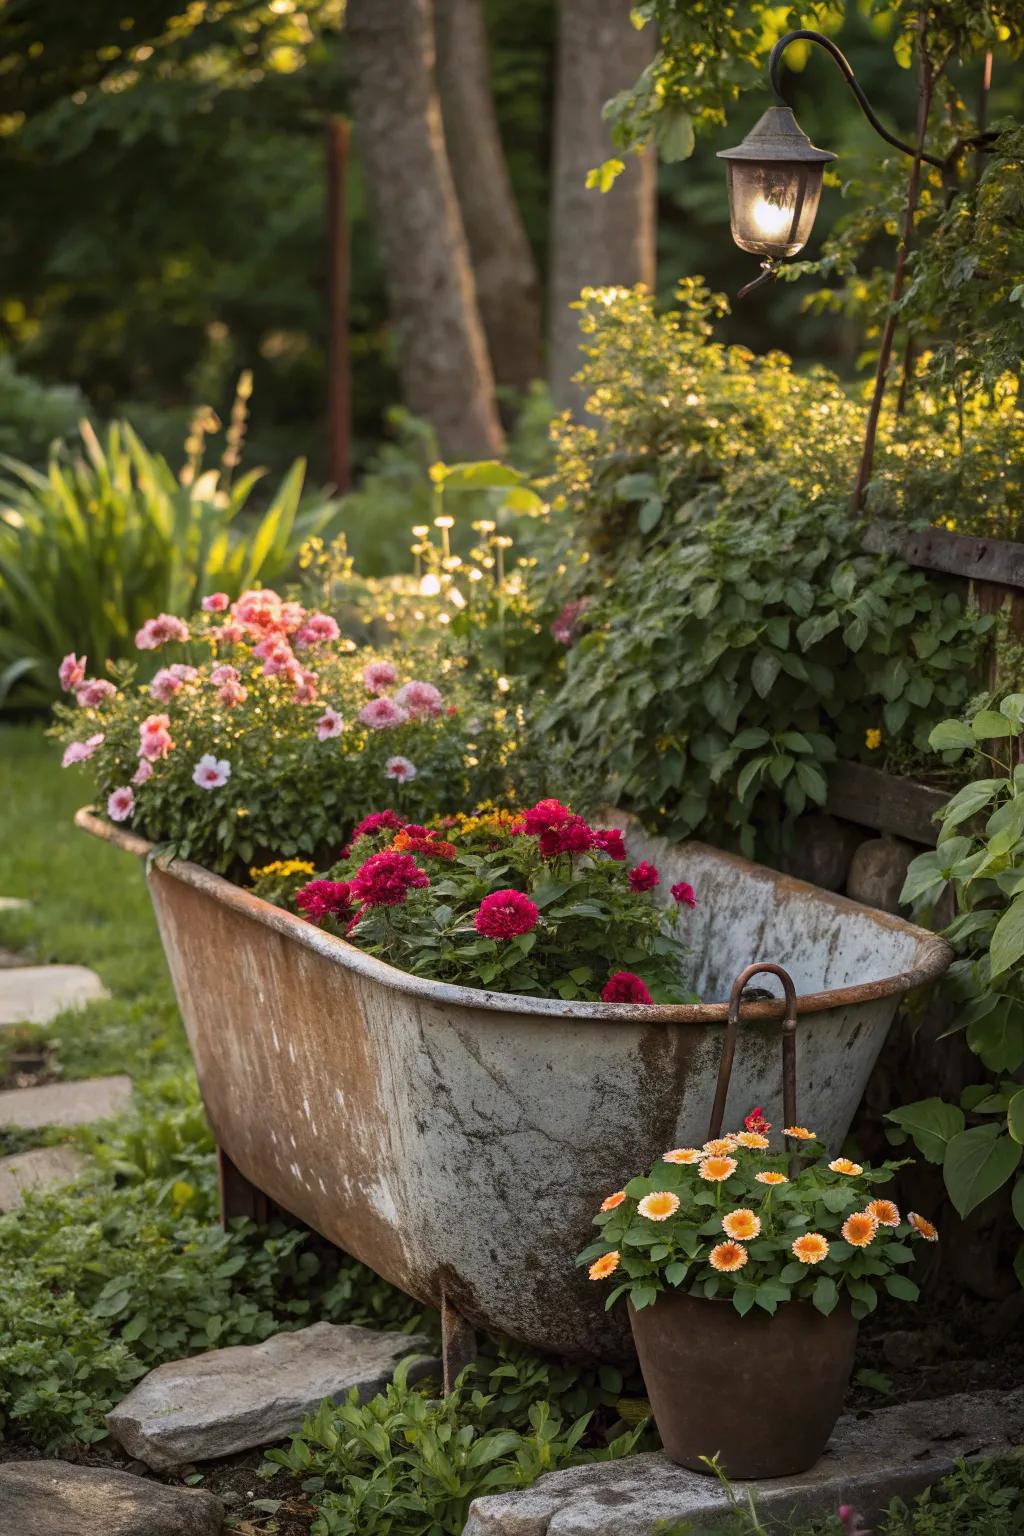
{"points": [[772, 204]]}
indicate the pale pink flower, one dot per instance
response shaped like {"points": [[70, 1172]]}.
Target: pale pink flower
{"points": [[379, 676], [232, 694], [155, 737], [93, 691], [209, 773], [80, 751], [229, 634], [143, 772], [224, 674], [216, 602], [258, 609], [72, 671], [399, 768], [121, 803], [319, 629], [419, 699], [329, 724], [380, 713], [165, 685], [293, 616], [305, 688], [160, 631]]}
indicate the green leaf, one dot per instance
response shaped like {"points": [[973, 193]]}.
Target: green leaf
{"points": [[988, 726], [976, 1165], [763, 672], [1007, 944], [674, 134], [1015, 1116], [902, 1288], [932, 1123], [650, 514], [825, 1294], [743, 1298], [951, 736], [1017, 1201], [603, 176]]}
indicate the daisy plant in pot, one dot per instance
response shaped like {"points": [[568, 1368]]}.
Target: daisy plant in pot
{"points": [[750, 1261]]}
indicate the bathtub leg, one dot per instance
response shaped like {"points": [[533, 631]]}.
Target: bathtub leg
{"points": [[458, 1342], [237, 1196]]}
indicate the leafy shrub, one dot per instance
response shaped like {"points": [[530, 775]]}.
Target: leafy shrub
{"points": [[104, 538], [33, 415]]}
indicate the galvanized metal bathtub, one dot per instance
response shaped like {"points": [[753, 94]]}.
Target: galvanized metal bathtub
{"points": [[458, 1141]]}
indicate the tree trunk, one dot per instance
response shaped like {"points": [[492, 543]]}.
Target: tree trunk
{"points": [[507, 284], [442, 355], [596, 238]]}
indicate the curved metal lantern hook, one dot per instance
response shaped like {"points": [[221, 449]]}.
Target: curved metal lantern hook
{"points": [[729, 1044]]}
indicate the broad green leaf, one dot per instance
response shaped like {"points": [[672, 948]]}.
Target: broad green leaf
{"points": [[987, 725], [976, 1165], [1015, 1116], [951, 736], [932, 1123], [1007, 944]]}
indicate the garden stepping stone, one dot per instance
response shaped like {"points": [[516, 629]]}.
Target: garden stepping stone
{"points": [[56, 1498], [78, 1103], [13, 904], [232, 1399], [36, 1170], [871, 1459], [36, 994]]}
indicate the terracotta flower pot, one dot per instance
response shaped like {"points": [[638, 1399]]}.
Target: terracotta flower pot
{"points": [[761, 1393]]}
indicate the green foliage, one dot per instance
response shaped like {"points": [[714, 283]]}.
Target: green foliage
{"points": [[107, 537], [33, 415], [705, 1222]]}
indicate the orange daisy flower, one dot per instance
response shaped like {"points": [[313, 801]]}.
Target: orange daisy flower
{"points": [[810, 1249], [885, 1213], [606, 1265], [843, 1165], [923, 1228], [659, 1206], [771, 1178], [720, 1147], [727, 1257], [682, 1155], [715, 1169], [860, 1228], [753, 1139], [612, 1202], [742, 1223], [800, 1132]]}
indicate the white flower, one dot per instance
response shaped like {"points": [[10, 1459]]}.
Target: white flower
{"points": [[209, 773], [329, 724], [399, 768]]}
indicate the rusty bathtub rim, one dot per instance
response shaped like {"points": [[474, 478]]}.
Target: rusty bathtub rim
{"points": [[933, 959]]}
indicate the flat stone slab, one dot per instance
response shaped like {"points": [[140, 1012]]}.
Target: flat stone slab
{"points": [[870, 1460], [36, 994], [78, 1103], [230, 1400], [37, 1169], [55, 1498], [13, 904]]}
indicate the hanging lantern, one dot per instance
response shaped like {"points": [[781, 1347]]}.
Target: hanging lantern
{"points": [[774, 186]]}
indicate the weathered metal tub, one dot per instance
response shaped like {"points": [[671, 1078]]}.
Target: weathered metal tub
{"points": [[458, 1141]]}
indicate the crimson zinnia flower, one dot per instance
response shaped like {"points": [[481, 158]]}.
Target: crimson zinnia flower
{"points": [[505, 914], [644, 876], [545, 814], [610, 842], [377, 822], [386, 879], [685, 895], [572, 836], [325, 898], [624, 987], [756, 1121]]}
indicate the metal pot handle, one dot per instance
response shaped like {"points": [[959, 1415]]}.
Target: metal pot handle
{"points": [[729, 1044]]}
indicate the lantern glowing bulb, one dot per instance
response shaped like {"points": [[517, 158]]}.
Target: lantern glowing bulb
{"points": [[774, 185]]}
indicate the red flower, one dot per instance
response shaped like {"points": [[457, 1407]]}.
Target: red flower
{"points": [[505, 914], [684, 894], [756, 1121], [644, 877], [414, 839], [325, 898], [377, 822], [386, 879], [572, 836], [610, 842], [545, 814], [624, 987]]}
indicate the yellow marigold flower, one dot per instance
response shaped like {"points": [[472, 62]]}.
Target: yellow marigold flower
{"points": [[682, 1155], [715, 1169], [923, 1228], [800, 1133], [872, 739], [283, 868], [743, 1224], [727, 1257], [659, 1206], [613, 1201], [753, 1139], [843, 1165], [771, 1178], [811, 1248], [606, 1265], [884, 1212], [720, 1147], [860, 1228]]}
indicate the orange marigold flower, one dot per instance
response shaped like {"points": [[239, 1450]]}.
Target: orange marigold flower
{"points": [[611, 1202], [923, 1228], [720, 1147], [717, 1168], [682, 1155], [606, 1265], [800, 1132], [659, 1206], [727, 1256], [753, 1139], [843, 1165], [860, 1228], [811, 1248], [771, 1178], [884, 1212], [742, 1223]]}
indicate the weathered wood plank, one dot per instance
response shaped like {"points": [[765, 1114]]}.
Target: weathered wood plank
{"points": [[934, 549], [884, 802]]}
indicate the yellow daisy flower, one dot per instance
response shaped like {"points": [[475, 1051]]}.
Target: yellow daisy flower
{"points": [[843, 1165], [714, 1169], [606, 1265]]}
